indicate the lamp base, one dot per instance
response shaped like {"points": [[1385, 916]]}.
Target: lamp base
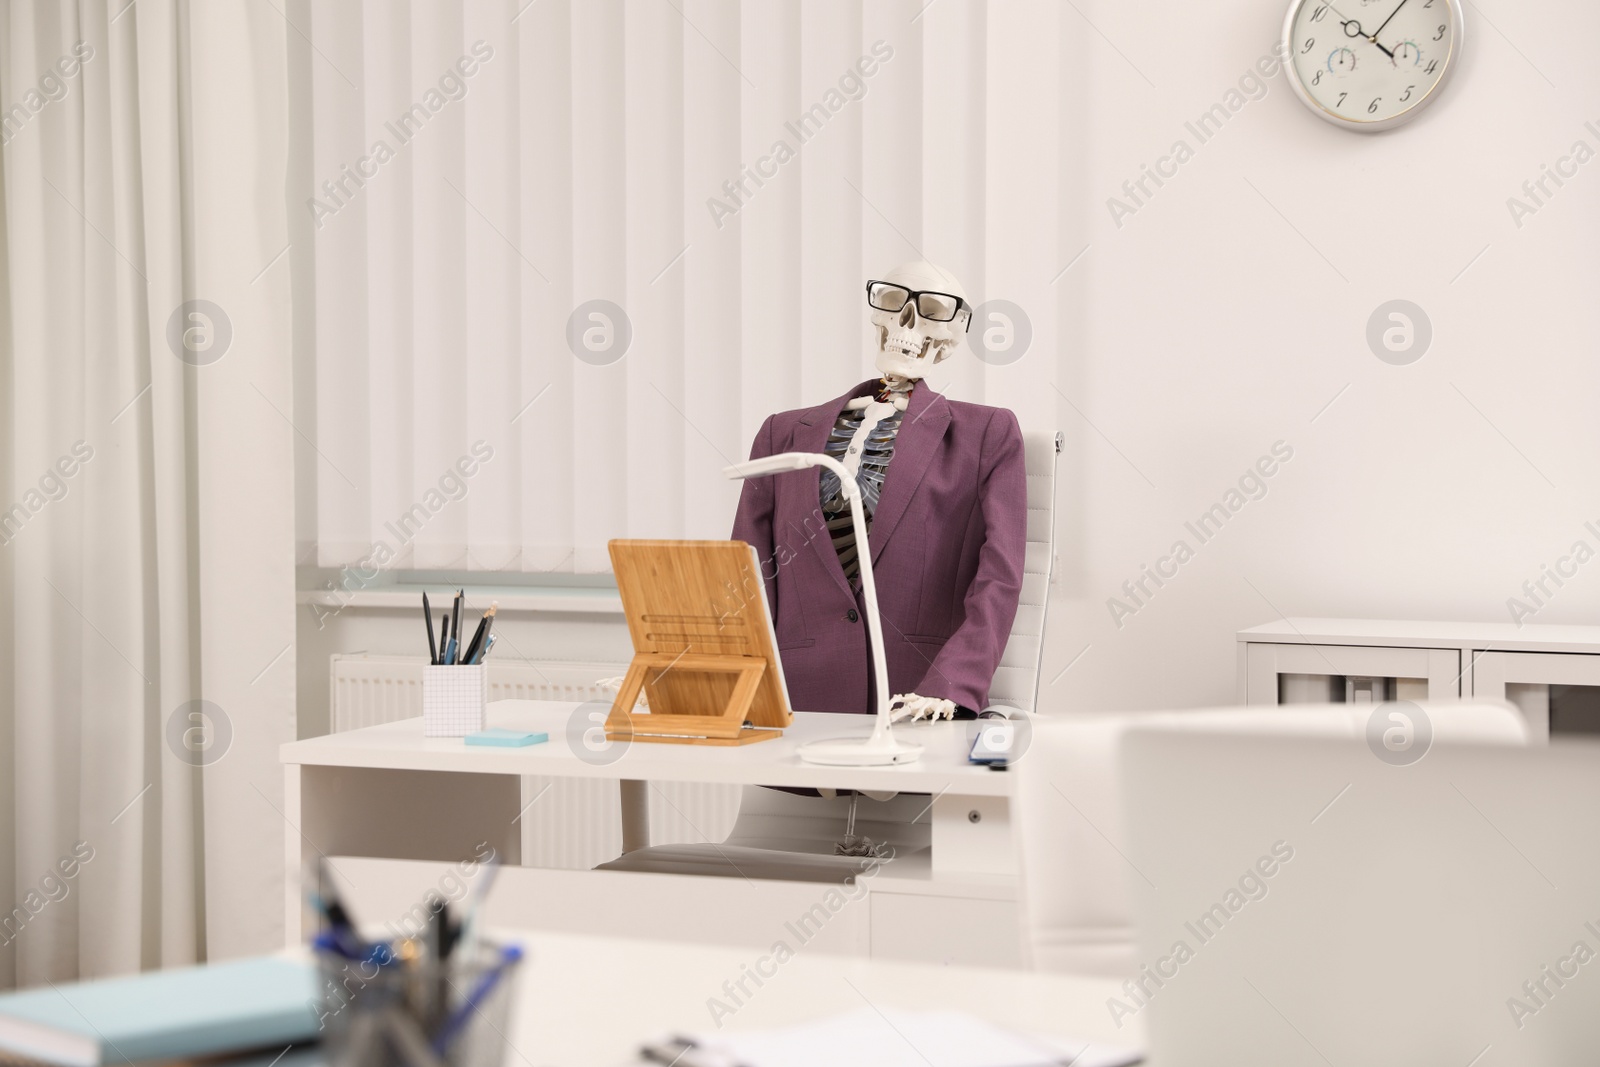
{"points": [[859, 752]]}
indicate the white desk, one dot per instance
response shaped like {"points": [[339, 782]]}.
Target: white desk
{"points": [[591, 1001], [388, 792]]}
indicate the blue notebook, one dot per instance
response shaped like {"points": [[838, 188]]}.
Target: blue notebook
{"points": [[192, 1011]]}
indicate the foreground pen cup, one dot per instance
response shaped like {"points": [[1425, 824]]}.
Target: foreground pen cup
{"points": [[454, 700], [387, 1010]]}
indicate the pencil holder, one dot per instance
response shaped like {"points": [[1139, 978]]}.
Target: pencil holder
{"points": [[454, 699], [394, 1006]]}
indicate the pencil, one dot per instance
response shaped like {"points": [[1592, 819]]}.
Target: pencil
{"points": [[479, 634], [488, 629]]}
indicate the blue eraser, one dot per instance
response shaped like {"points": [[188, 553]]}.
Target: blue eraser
{"points": [[503, 738]]}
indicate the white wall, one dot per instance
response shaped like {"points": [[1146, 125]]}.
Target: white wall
{"points": [[1188, 341], [1211, 329]]}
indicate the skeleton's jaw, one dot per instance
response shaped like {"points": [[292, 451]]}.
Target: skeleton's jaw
{"points": [[908, 344], [904, 353]]}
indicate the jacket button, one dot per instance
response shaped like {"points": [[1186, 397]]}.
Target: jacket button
{"points": [[851, 615]]}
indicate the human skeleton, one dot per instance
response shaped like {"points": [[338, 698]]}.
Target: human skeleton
{"points": [[909, 343]]}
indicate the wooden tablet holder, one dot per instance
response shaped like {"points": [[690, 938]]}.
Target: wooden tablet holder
{"points": [[704, 653], [696, 672]]}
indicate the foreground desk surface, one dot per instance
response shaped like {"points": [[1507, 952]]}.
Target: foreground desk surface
{"points": [[591, 1001], [573, 728]]}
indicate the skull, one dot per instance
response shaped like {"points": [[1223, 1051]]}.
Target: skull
{"points": [[908, 343]]}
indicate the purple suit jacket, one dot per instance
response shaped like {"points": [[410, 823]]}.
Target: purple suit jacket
{"points": [[948, 540]]}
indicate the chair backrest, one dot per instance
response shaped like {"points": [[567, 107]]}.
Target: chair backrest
{"points": [[1077, 914], [1016, 680]]}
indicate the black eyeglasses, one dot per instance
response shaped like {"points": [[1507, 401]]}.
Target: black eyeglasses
{"points": [[936, 307]]}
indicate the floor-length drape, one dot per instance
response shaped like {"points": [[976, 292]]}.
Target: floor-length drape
{"points": [[146, 541]]}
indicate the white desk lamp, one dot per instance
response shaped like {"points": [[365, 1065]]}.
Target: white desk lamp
{"points": [[880, 748]]}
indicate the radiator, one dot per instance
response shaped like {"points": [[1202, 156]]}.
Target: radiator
{"points": [[575, 823]]}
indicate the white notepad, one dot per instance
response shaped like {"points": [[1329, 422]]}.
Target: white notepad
{"points": [[893, 1037]]}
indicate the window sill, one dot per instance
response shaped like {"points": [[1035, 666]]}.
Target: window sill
{"points": [[514, 599]]}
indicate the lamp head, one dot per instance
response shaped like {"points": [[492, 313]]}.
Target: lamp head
{"points": [[794, 461]]}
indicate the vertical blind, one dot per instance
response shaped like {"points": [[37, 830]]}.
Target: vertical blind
{"points": [[568, 255]]}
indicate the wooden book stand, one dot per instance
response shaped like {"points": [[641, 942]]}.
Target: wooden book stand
{"points": [[704, 651]]}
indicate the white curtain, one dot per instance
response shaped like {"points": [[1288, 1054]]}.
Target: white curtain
{"points": [[595, 151], [146, 515]]}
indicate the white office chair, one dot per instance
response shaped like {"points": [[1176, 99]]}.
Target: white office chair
{"points": [[1076, 915], [781, 835]]}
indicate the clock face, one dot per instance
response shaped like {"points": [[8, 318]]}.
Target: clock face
{"points": [[1371, 64]]}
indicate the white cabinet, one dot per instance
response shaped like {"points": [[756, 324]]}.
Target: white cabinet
{"points": [[1558, 693], [1550, 673], [1322, 673]]}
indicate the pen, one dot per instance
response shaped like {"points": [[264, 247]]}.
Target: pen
{"points": [[447, 1033], [450, 651], [488, 646], [677, 1053], [466, 932], [427, 622], [441, 931], [360, 952], [341, 930], [438, 951], [471, 648], [455, 618]]}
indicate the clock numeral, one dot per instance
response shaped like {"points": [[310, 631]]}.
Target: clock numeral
{"points": [[1432, 66], [1311, 42], [1373, 107], [1407, 94], [1341, 100], [1322, 9], [1440, 35], [1316, 79]]}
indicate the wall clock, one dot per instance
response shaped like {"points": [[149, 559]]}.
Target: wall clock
{"points": [[1371, 64]]}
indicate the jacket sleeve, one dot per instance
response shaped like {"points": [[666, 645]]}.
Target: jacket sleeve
{"points": [[752, 523], [965, 666]]}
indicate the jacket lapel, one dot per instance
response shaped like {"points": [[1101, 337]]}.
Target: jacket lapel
{"points": [[926, 419], [811, 435]]}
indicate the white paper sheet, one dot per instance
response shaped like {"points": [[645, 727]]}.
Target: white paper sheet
{"points": [[892, 1038]]}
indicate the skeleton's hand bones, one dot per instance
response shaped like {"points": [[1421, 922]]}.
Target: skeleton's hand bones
{"points": [[909, 707]]}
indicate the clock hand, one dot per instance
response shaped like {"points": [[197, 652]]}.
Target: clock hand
{"points": [[1344, 21], [1386, 22]]}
